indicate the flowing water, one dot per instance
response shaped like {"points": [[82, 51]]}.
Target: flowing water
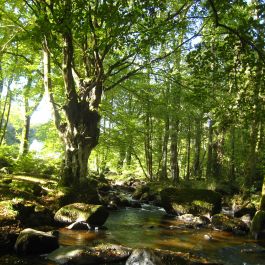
{"points": [[151, 227]]}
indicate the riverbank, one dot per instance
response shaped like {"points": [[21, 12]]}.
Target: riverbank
{"points": [[32, 202]]}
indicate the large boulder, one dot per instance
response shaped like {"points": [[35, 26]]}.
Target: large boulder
{"points": [[80, 255], [227, 188], [257, 228], [86, 192], [31, 241], [194, 201], [191, 221], [230, 224], [94, 215], [248, 209], [165, 257]]}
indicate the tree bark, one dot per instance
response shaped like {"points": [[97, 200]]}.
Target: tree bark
{"points": [[80, 131], [197, 172], [174, 151], [128, 157], [187, 177], [209, 166], [232, 170], [24, 143], [148, 144], [122, 156], [3, 121], [48, 84], [165, 150], [7, 119], [218, 150], [1, 80]]}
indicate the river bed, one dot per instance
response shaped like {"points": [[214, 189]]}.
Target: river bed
{"points": [[150, 227]]}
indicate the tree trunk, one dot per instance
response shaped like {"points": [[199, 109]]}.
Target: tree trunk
{"points": [[48, 85], [148, 146], [252, 158], [80, 136], [3, 121], [80, 131], [232, 155], [7, 119], [254, 129], [1, 80], [218, 156], [122, 156], [24, 143], [209, 166], [197, 155], [174, 151], [187, 176], [128, 157], [75, 164], [163, 174]]}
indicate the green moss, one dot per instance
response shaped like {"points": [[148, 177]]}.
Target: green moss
{"points": [[79, 211], [228, 223], [202, 204], [7, 214], [94, 215], [25, 186], [198, 200], [258, 223]]}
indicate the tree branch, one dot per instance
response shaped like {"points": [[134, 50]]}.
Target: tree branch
{"points": [[242, 37], [155, 60]]}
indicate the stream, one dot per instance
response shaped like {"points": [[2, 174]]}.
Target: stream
{"points": [[150, 227]]}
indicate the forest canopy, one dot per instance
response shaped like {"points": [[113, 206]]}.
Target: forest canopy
{"points": [[163, 90]]}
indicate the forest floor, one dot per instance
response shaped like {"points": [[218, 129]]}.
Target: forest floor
{"points": [[23, 193]]}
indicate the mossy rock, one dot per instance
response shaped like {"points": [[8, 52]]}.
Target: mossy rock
{"points": [[166, 257], [257, 228], [227, 188], [248, 209], [229, 224], [195, 207], [262, 203], [32, 241], [149, 192], [103, 188], [194, 201], [8, 214], [26, 187], [85, 193], [80, 255], [94, 215], [140, 191]]}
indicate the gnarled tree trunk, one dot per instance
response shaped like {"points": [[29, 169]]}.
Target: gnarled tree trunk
{"points": [[80, 135], [79, 131]]}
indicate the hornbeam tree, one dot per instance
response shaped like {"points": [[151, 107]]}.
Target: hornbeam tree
{"points": [[100, 45]]}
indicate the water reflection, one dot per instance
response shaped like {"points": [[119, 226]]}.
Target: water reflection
{"points": [[79, 238], [154, 229]]}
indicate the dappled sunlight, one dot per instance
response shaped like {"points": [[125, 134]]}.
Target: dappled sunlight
{"points": [[34, 179]]}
